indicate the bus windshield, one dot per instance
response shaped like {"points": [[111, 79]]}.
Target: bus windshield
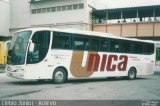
{"points": [[17, 51]]}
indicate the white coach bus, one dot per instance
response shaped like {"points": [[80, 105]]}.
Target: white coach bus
{"points": [[62, 54]]}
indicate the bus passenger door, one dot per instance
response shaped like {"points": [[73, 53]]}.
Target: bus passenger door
{"points": [[37, 55], [158, 56]]}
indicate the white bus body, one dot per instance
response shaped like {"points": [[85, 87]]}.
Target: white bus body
{"points": [[47, 53]]}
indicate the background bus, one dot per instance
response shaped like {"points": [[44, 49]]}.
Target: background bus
{"points": [[4, 44], [3, 54], [56, 54]]}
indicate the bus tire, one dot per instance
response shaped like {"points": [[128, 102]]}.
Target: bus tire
{"points": [[59, 76], [132, 73]]}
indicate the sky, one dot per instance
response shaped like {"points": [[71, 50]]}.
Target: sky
{"points": [[128, 3]]}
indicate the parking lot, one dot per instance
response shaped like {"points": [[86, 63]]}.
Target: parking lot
{"points": [[146, 87]]}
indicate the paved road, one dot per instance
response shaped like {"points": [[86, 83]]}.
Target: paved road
{"points": [[143, 88]]}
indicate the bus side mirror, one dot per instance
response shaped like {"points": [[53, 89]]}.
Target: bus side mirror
{"points": [[9, 52], [31, 47]]}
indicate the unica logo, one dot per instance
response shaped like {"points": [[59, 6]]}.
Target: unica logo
{"points": [[93, 63]]}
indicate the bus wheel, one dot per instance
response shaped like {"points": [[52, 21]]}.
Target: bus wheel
{"points": [[59, 76], [132, 73]]}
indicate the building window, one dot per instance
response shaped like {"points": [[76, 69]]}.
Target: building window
{"points": [[48, 10], [69, 7], [34, 11], [64, 8], [81, 6], [53, 9], [44, 10], [38, 11], [59, 8], [75, 6]]}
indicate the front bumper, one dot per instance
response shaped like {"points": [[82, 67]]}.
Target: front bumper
{"points": [[15, 72]]}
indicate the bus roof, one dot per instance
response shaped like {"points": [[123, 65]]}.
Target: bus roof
{"points": [[84, 32]]}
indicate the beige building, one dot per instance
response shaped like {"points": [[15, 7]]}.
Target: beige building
{"points": [[138, 22]]}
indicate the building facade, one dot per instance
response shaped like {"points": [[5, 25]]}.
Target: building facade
{"points": [[4, 18], [137, 22], [20, 14], [51, 13]]}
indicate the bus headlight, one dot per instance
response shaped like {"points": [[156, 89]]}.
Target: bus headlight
{"points": [[16, 70], [19, 70], [9, 68]]}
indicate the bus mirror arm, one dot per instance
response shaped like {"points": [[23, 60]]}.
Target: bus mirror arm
{"points": [[31, 47]]}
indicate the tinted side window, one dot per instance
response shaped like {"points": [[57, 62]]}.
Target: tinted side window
{"points": [[148, 48], [115, 45], [137, 47], [80, 42], [104, 44], [95, 44], [61, 40], [126, 46]]}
